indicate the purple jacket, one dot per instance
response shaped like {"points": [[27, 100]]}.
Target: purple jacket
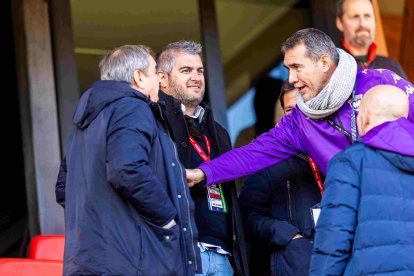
{"points": [[396, 136], [299, 134]]}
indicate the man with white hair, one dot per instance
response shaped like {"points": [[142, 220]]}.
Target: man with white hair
{"points": [[121, 183], [366, 223]]}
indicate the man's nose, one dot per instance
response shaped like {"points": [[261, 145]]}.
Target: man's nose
{"points": [[195, 75], [364, 22], [293, 77]]}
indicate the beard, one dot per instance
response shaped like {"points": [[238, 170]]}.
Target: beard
{"points": [[362, 40], [181, 93], [313, 94]]}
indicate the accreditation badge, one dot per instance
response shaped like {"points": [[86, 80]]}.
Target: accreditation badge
{"points": [[215, 198]]}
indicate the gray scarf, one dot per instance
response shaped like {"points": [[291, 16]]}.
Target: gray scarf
{"points": [[335, 93]]}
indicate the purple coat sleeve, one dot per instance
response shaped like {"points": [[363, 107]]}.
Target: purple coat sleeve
{"points": [[268, 149]]}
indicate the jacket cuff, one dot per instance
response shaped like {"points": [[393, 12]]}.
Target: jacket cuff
{"points": [[208, 173]]}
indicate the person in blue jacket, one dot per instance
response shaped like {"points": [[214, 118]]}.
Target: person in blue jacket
{"points": [[366, 226], [128, 210], [275, 205]]}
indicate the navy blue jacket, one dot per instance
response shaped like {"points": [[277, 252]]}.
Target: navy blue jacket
{"points": [[275, 206], [366, 225], [123, 182], [220, 141]]}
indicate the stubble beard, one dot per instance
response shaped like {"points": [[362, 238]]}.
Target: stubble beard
{"points": [[179, 93], [315, 93], [311, 96]]}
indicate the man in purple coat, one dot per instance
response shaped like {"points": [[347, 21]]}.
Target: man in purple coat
{"points": [[329, 90]]}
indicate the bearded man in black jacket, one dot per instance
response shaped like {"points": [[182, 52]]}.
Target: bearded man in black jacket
{"points": [[355, 19], [199, 138]]}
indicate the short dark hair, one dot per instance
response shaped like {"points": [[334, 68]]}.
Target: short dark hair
{"points": [[286, 87], [317, 43], [166, 57], [340, 8]]}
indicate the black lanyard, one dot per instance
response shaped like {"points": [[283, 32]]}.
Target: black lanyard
{"points": [[351, 138], [340, 127]]}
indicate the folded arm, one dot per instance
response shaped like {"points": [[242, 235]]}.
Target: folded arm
{"points": [[132, 134]]}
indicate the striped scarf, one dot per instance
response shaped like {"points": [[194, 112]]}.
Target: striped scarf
{"points": [[335, 93]]}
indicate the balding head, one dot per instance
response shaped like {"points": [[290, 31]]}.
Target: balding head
{"points": [[382, 103]]}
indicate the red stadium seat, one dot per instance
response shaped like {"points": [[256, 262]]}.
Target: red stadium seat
{"points": [[26, 267], [47, 247]]}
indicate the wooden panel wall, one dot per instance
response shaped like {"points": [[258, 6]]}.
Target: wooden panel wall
{"points": [[392, 25], [407, 40], [379, 34]]}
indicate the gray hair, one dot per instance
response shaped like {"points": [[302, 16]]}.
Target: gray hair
{"points": [[166, 57], [121, 63], [317, 43], [340, 8]]}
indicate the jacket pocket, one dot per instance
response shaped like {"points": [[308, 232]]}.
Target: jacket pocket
{"points": [[294, 259], [160, 250]]}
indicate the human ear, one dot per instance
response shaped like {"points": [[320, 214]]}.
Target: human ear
{"points": [[163, 79], [339, 24], [138, 78], [365, 122], [326, 63]]}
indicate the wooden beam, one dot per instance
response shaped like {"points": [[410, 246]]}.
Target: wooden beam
{"points": [[407, 40], [379, 33]]}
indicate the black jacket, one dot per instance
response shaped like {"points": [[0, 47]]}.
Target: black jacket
{"points": [[221, 142], [123, 181], [275, 206], [380, 62]]}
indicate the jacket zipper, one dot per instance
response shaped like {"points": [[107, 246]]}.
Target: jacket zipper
{"points": [[289, 200], [184, 183]]}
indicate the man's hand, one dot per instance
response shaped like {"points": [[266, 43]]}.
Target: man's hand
{"points": [[170, 225], [194, 176], [297, 236]]}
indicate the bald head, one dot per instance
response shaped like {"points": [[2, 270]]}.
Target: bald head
{"points": [[382, 103]]}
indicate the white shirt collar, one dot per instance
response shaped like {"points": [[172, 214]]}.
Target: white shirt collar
{"points": [[198, 114]]}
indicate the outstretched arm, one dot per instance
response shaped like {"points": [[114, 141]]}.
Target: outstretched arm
{"points": [[270, 148]]}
